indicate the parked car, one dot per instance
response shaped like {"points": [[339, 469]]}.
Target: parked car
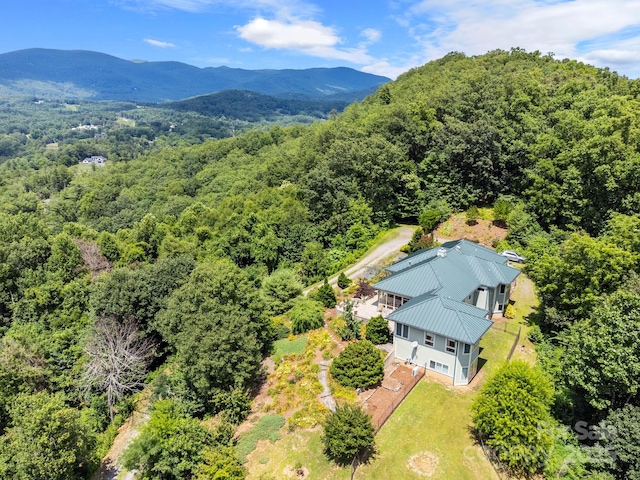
{"points": [[513, 256]]}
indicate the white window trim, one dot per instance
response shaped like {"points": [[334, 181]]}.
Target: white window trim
{"points": [[433, 339], [448, 349], [440, 369], [403, 328]]}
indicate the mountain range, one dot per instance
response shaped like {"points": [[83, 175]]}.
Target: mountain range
{"points": [[97, 76]]}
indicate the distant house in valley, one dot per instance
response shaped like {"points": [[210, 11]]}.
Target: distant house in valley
{"points": [[100, 135], [95, 160], [441, 301]]}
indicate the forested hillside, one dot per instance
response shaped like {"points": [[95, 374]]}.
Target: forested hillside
{"points": [[253, 107], [82, 74], [188, 251]]}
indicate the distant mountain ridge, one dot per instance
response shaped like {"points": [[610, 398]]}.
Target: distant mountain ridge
{"points": [[253, 107], [98, 76]]}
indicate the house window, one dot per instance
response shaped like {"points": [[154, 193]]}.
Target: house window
{"points": [[402, 330], [428, 339], [451, 346], [467, 348], [465, 373], [500, 307], [439, 367], [503, 288]]}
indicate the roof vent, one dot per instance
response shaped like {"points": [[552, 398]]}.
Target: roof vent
{"points": [[442, 252], [458, 247]]}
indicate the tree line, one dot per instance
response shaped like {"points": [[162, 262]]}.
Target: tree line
{"points": [[187, 248]]}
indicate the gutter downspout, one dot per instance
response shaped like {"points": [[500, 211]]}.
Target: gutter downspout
{"points": [[455, 363]]}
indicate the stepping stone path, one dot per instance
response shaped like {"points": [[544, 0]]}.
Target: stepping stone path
{"points": [[326, 396]]}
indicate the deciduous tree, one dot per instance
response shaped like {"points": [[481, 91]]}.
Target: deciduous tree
{"points": [[216, 324], [348, 434], [170, 446], [618, 442], [602, 358], [512, 413], [46, 440]]}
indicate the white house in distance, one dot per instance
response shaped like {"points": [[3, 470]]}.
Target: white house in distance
{"points": [[441, 302], [95, 159]]}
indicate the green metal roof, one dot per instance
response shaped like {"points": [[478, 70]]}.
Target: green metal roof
{"points": [[446, 317], [438, 281], [461, 268], [411, 282], [462, 245], [475, 249], [413, 259]]}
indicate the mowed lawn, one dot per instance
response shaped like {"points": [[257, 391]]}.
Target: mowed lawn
{"points": [[428, 436], [431, 425], [289, 347], [275, 461]]}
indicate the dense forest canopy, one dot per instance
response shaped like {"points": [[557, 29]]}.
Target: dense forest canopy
{"points": [[187, 236]]}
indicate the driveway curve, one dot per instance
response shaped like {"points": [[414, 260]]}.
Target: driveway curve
{"points": [[399, 237]]}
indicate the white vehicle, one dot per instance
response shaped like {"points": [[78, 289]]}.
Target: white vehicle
{"points": [[513, 256]]}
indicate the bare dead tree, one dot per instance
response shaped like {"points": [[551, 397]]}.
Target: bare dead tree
{"points": [[118, 359], [92, 257]]}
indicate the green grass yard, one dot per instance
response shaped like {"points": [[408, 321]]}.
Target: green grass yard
{"points": [[274, 461], [267, 428], [428, 433], [289, 347]]}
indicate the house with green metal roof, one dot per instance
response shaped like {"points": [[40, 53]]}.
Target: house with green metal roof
{"points": [[441, 301]]}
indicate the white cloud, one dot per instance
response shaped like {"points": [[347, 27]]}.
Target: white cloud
{"points": [[613, 56], [158, 43], [300, 35], [583, 29], [371, 34], [283, 7], [305, 36], [384, 68]]}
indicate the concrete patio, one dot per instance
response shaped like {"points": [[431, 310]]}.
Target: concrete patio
{"points": [[365, 309]]}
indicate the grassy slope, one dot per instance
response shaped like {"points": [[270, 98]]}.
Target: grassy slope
{"points": [[437, 418], [276, 460], [434, 418], [289, 347]]}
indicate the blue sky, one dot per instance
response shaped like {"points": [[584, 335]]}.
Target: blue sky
{"points": [[385, 37]]}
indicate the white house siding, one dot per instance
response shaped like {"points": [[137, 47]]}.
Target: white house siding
{"points": [[424, 355], [501, 299], [466, 360], [490, 296]]}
